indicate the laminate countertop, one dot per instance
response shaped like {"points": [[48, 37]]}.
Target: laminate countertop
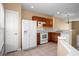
{"points": [[71, 51]]}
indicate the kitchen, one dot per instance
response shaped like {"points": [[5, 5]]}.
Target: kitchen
{"points": [[42, 33], [39, 28]]}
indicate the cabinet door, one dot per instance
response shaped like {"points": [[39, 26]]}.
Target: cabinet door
{"points": [[45, 20], [38, 38], [34, 18], [48, 22], [55, 37], [49, 36], [51, 23]]}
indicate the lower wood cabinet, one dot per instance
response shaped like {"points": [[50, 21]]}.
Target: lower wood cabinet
{"points": [[53, 36], [38, 38]]}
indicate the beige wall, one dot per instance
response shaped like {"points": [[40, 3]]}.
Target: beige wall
{"points": [[60, 24], [28, 14], [15, 7]]}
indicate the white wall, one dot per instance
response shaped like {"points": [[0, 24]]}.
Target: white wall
{"points": [[1, 26]]}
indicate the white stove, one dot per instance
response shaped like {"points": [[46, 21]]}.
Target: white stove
{"points": [[43, 38]]}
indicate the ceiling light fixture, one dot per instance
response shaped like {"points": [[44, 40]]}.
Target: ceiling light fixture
{"points": [[67, 15], [32, 6], [58, 12], [68, 18]]}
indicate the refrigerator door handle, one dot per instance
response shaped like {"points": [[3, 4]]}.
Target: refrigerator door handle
{"points": [[25, 31]]}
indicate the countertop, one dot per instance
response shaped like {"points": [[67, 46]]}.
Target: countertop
{"points": [[71, 50]]}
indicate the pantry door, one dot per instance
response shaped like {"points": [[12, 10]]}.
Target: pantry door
{"points": [[11, 29]]}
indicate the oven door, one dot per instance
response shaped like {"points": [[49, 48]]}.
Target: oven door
{"points": [[44, 38]]}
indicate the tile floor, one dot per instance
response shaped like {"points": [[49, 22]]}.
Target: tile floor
{"points": [[48, 49]]}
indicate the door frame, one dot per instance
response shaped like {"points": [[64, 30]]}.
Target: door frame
{"points": [[5, 30]]}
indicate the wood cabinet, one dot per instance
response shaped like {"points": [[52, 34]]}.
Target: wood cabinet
{"points": [[38, 38], [53, 36], [48, 22]]}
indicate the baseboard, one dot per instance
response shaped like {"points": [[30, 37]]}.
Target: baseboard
{"points": [[28, 48]]}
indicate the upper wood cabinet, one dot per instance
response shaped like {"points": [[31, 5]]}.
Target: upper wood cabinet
{"points": [[48, 22], [36, 18]]}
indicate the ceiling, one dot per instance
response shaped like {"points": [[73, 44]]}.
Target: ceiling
{"points": [[55, 9]]}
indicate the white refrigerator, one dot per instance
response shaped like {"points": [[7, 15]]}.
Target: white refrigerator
{"points": [[29, 34]]}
